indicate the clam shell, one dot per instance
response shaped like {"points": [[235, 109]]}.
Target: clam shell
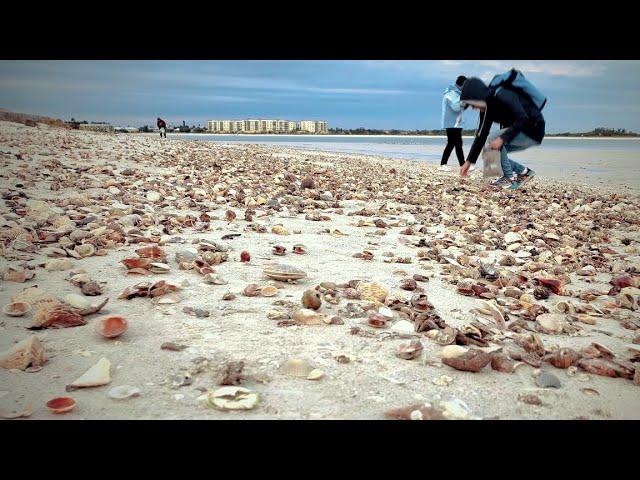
{"points": [[27, 353], [16, 309], [452, 351], [296, 367], [284, 272], [409, 351], [315, 374], [111, 327], [133, 263], [77, 301], [96, 376], [151, 252], [157, 267], [551, 322], [268, 291], [233, 398], [85, 250], [304, 316], [61, 405], [122, 392], [563, 358]]}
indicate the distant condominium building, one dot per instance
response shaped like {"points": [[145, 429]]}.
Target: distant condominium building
{"points": [[266, 126], [96, 127]]}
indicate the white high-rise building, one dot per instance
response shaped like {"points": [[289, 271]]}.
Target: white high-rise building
{"points": [[266, 126]]}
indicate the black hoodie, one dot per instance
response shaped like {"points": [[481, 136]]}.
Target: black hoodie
{"points": [[505, 107]]}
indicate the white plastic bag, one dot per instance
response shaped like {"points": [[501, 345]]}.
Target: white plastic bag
{"points": [[491, 163]]}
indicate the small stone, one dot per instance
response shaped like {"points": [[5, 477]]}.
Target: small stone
{"points": [[547, 380]]}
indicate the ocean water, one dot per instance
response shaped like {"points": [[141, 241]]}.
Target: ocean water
{"points": [[588, 160]]}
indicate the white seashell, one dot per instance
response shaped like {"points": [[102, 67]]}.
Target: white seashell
{"points": [[153, 196], [157, 267], [96, 376], [551, 322], [296, 367], [452, 351], [123, 391], [58, 264], [315, 374], [403, 327], [85, 250], [77, 301], [233, 398], [512, 237]]}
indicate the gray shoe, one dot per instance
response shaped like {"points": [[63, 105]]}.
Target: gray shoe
{"points": [[501, 182]]}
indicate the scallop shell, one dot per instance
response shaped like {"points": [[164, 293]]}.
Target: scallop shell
{"points": [[85, 250], [296, 367], [233, 398], [96, 376], [16, 309], [284, 272], [123, 391], [57, 316], [111, 327], [61, 405], [268, 291], [372, 292], [27, 353]]}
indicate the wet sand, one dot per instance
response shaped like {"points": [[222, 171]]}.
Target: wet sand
{"points": [[445, 216]]}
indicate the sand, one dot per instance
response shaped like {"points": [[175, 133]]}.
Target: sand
{"points": [[374, 381]]}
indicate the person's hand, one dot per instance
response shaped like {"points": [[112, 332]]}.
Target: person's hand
{"points": [[464, 169], [497, 144]]}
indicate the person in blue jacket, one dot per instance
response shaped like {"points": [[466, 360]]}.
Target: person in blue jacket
{"points": [[452, 121], [522, 125]]}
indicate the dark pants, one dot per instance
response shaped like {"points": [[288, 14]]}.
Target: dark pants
{"points": [[163, 131], [454, 139]]}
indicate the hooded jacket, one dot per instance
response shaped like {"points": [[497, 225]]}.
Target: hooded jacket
{"points": [[451, 109], [161, 123], [512, 111]]}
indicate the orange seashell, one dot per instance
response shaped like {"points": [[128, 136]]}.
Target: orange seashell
{"points": [[252, 290], [472, 360], [132, 263], [57, 316], [563, 358], [61, 404], [111, 327], [151, 252], [554, 284]]}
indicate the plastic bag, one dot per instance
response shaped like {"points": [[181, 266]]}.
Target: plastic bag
{"points": [[491, 163]]}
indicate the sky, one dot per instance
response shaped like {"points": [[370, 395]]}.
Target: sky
{"points": [[380, 94]]}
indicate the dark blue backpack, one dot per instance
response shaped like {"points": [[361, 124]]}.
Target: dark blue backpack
{"points": [[516, 81]]}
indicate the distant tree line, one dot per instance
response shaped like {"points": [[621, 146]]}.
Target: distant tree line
{"points": [[598, 132]]}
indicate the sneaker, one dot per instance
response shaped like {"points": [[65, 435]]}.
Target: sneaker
{"points": [[472, 168], [501, 182], [513, 185], [444, 168], [522, 179]]}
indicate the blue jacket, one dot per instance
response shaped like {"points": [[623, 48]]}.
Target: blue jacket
{"points": [[451, 109]]}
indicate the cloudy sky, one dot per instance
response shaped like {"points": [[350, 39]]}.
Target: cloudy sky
{"points": [[349, 94]]}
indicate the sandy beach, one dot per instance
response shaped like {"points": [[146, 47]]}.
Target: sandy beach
{"points": [[407, 262]]}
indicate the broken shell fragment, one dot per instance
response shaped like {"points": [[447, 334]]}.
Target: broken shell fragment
{"points": [[61, 405], [233, 398], [123, 391], [57, 316], [111, 327], [16, 309], [304, 316], [472, 360], [252, 290], [551, 322], [409, 351], [77, 301], [502, 363], [25, 354], [96, 376], [315, 374], [563, 358], [85, 250]]}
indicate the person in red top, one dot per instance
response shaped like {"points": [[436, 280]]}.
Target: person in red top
{"points": [[162, 126]]}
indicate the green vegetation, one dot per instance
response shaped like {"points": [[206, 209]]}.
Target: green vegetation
{"points": [[598, 132]]}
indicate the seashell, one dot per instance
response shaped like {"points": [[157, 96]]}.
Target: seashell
{"points": [[304, 316], [35, 297], [554, 284], [409, 351], [153, 196], [123, 392], [151, 252], [446, 336], [408, 284], [311, 299], [58, 264], [96, 376], [565, 307], [473, 360], [299, 249], [92, 308], [625, 300], [57, 316], [452, 351], [279, 250], [111, 327], [85, 250], [595, 350], [502, 363], [232, 398], [376, 320], [415, 412], [230, 215], [351, 294], [315, 374], [372, 292], [551, 322], [420, 302], [512, 237], [24, 354], [157, 267], [279, 230], [132, 263], [77, 301], [589, 270], [91, 289], [214, 279], [251, 290], [563, 358], [403, 327], [532, 343], [16, 309], [268, 291], [245, 256], [490, 308], [61, 405], [284, 272], [296, 367]]}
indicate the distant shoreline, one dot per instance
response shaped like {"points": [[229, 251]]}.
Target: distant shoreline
{"points": [[379, 136]]}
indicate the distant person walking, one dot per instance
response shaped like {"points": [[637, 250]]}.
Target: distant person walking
{"points": [[452, 122], [516, 105], [162, 126]]}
